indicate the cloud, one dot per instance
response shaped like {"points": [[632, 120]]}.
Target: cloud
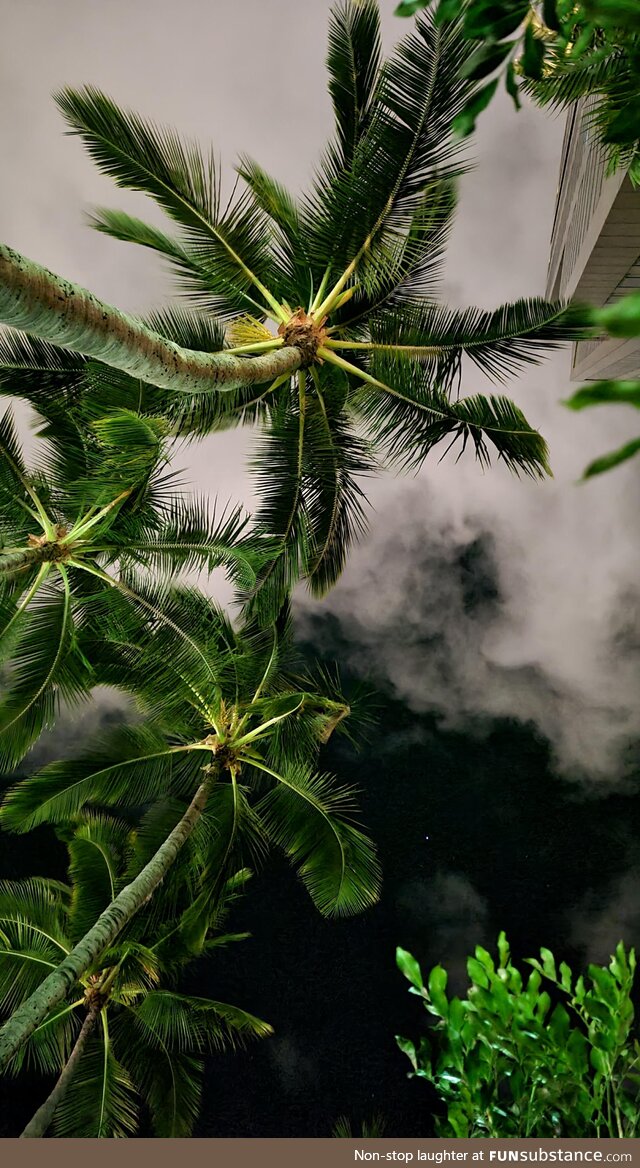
{"points": [[448, 910], [505, 600], [606, 916]]}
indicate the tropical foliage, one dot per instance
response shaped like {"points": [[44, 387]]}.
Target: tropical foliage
{"points": [[621, 319], [552, 1056], [228, 704], [146, 1041], [100, 504], [370, 363], [316, 320], [559, 52]]}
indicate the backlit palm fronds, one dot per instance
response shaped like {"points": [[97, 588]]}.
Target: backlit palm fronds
{"points": [[145, 1041]]}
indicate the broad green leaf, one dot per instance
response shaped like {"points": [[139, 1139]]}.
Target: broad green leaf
{"points": [[486, 18], [605, 393], [437, 986], [533, 55], [408, 965], [622, 319], [511, 85], [485, 60], [407, 1047], [465, 122], [609, 461], [477, 973], [448, 10], [410, 7], [548, 963], [550, 14], [621, 13]]}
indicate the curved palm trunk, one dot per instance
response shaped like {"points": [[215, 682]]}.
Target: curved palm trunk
{"points": [[45, 305], [25, 557], [55, 988], [38, 1125]]}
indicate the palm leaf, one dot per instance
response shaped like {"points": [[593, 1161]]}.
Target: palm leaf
{"points": [[272, 199], [130, 767], [189, 1025], [334, 459], [407, 143], [193, 537], [38, 371], [97, 851], [413, 416], [353, 63], [231, 248], [308, 816], [100, 1102], [169, 1082], [499, 341], [44, 668]]}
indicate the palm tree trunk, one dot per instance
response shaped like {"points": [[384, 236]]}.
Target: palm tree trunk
{"points": [[55, 988], [38, 1125], [45, 305], [13, 561]]}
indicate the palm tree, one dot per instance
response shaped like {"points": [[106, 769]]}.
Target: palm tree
{"points": [[128, 1034], [99, 506], [324, 326], [228, 727]]}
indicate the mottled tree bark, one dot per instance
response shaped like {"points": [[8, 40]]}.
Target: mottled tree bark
{"points": [[45, 305], [37, 1126], [56, 987]]}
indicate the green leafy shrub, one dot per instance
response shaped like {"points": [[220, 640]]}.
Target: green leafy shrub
{"points": [[552, 1055]]}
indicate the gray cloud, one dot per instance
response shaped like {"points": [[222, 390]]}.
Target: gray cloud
{"points": [[449, 910], [606, 916]]}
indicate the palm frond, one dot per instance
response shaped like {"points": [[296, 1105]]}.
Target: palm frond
{"points": [[100, 1102], [49, 1046], [334, 459], [408, 141], [414, 415], [231, 248], [194, 537], [170, 1083], [98, 850], [500, 342], [309, 817], [189, 1025], [44, 668], [131, 767], [353, 63], [38, 371], [294, 280]]}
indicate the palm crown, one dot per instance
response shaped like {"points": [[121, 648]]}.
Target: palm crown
{"points": [[145, 1039], [364, 362], [99, 506], [229, 703]]}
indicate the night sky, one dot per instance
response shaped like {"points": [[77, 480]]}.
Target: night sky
{"points": [[510, 845]]}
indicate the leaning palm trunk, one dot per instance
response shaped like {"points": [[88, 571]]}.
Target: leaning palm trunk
{"points": [[45, 305], [37, 1126], [55, 988]]}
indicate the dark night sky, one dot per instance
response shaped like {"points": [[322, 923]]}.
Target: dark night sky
{"points": [[511, 845]]}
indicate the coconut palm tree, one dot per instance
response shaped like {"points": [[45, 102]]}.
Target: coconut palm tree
{"points": [[227, 727], [127, 1034], [324, 324], [100, 504]]}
